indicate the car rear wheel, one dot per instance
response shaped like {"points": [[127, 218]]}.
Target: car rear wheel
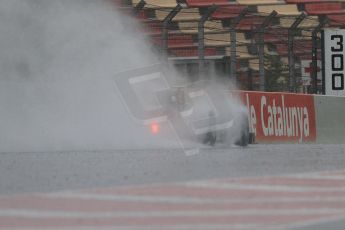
{"points": [[243, 139]]}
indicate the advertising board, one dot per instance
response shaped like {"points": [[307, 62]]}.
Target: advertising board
{"points": [[281, 117]]}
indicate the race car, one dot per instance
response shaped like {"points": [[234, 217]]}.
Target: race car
{"points": [[212, 118]]}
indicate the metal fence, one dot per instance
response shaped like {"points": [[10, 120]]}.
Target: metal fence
{"points": [[266, 51]]}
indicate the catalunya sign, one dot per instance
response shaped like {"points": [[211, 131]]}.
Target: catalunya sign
{"points": [[280, 117]]}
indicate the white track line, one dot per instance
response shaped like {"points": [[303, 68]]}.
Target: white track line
{"points": [[262, 187], [190, 200], [307, 175], [316, 176], [37, 214], [175, 227]]}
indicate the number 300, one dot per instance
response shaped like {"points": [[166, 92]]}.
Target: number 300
{"points": [[337, 62]]}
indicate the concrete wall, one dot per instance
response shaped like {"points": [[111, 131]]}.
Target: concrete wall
{"points": [[330, 119]]}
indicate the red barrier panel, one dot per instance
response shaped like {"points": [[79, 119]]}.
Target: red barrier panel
{"points": [[281, 117]]}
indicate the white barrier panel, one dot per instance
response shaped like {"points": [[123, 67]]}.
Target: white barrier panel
{"points": [[330, 116]]}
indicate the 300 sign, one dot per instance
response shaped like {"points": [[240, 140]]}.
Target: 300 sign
{"points": [[334, 65], [337, 62]]}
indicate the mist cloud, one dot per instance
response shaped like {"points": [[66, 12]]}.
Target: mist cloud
{"points": [[57, 61]]}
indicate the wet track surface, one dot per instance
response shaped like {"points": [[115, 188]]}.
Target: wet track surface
{"points": [[278, 186], [43, 172]]}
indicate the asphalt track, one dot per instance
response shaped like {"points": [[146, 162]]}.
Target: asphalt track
{"points": [[259, 187]]}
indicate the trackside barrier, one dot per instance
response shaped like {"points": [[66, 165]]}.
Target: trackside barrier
{"points": [[295, 118], [330, 119]]}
